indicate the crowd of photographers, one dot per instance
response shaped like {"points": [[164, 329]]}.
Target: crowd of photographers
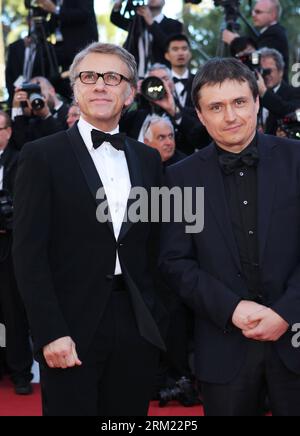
{"points": [[162, 117]]}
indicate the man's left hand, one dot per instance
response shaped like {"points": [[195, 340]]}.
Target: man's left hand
{"points": [[271, 327]]}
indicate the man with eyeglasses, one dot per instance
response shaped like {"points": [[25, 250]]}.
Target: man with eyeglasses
{"points": [[266, 15], [83, 267]]}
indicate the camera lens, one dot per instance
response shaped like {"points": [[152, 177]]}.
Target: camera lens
{"points": [[153, 89], [36, 101]]}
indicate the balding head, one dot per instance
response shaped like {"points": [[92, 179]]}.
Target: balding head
{"points": [[266, 12]]}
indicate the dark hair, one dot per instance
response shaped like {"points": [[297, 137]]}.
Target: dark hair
{"points": [[240, 44], [217, 71], [176, 37], [6, 117]]}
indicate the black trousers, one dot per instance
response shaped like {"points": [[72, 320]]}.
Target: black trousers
{"points": [[18, 349], [117, 377], [263, 374]]}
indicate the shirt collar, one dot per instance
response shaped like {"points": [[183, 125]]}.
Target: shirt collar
{"points": [[267, 27], [253, 144], [159, 18], [85, 130], [186, 75], [276, 89]]}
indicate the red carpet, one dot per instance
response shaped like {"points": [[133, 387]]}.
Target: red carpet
{"points": [[16, 405]]}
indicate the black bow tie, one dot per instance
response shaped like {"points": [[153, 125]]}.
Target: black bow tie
{"points": [[230, 162], [117, 141], [183, 81]]}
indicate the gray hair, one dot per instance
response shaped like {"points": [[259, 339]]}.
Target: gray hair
{"points": [[158, 66], [274, 54], [101, 48], [275, 4], [155, 119], [278, 8]]}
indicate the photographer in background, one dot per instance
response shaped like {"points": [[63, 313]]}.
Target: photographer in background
{"points": [[33, 122], [278, 99], [77, 23], [18, 351], [26, 58], [148, 31], [189, 133], [266, 15]]}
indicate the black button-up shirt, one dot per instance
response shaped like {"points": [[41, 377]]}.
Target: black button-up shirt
{"points": [[241, 195]]}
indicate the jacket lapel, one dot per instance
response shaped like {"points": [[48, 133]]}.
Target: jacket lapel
{"points": [[136, 179], [87, 166], [215, 194], [267, 183]]}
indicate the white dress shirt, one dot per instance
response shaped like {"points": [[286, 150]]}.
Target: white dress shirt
{"points": [[182, 96], [111, 165]]}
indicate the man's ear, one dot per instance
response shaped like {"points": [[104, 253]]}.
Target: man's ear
{"points": [[199, 114], [130, 97], [167, 57]]}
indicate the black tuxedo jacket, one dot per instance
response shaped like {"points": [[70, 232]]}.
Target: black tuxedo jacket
{"points": [[160, 33], [26, 129], [78, 24], [276, 37], [15, 64], [64, 258], [281, 103], [9, 161], [205, 268]]}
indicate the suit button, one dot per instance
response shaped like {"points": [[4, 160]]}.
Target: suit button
{"points": [[109, 277], [239, 274]]}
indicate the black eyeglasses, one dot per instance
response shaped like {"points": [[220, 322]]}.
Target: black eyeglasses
{"points": [[110, 78]]}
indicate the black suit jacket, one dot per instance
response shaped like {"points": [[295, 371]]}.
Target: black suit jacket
{"points": [[64, 258], [160, 33], [15, 64], [205, 268], [26, 129], [78, 24], [9, 161], [276, 37], [280, 104]]}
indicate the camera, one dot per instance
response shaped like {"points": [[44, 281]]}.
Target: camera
{"points": [[6, 210], [232, 13], [131, 5], [252, 60], [32, 5], [290, 125], [153, 89], [183, 391], [34, 95]]}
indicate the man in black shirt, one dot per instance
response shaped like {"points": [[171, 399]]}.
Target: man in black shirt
{"points": [[241, 274]]}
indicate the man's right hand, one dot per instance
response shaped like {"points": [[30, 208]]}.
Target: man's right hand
{"points": [[118, 5], [243, 311], [61, 354]]}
